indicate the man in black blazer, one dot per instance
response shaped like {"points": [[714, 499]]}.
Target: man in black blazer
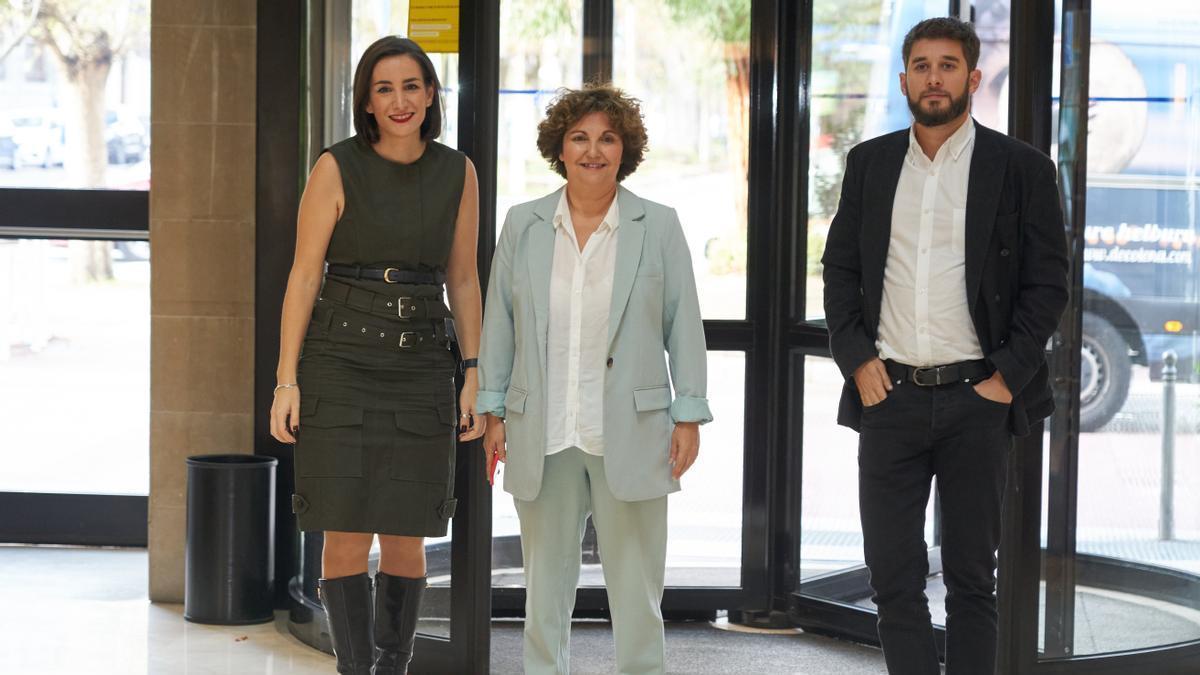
{"points": [[945, 275]]}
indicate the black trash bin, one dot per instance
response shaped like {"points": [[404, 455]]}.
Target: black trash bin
{"points": [[230, 546]]}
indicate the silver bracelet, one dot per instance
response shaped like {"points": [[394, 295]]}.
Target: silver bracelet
{"points": [[286, 385]]}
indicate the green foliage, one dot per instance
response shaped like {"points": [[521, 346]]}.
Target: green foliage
{"points": [[835, 25], [537, 19], [722, 20]]}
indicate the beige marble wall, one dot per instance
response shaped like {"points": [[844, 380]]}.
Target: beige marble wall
{"points": [[202, 237]]}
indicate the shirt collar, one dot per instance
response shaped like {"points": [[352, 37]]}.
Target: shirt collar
{"points": [[562, 214], [959, 141]]}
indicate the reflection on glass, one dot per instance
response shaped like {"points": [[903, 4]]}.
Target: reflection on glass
{"points": [[371, 20], [1140, 300], [75, 366], [989, 103], [541, 50], [704, 519], [855, 96], [696, 104], [75, 97]]}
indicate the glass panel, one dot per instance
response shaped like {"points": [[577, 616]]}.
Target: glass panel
{"points": [[74, 354], [696, 104], [1137, 476], [855, 96], [704, 544], [371, 20], [541, 49], [831, 534], [76, 114], [989, 104], [831, 544]]}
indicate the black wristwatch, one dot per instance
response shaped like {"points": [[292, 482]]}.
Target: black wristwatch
{"points": [[467, 363]]}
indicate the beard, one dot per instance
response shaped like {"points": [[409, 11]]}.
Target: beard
{"points": [[943, 114]]}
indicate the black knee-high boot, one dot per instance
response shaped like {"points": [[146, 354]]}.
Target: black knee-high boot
{"points": [[348, 605], [397, 605]]}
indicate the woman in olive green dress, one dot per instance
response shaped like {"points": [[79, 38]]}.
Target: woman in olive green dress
{"points": [[365, 378]]}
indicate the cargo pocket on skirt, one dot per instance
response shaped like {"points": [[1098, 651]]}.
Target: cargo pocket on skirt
{"points": [[423, 449], [330, 444]]}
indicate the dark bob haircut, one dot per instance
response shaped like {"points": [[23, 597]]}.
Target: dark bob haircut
{"points": [[364, 122], [572, 105], [945, 28]]}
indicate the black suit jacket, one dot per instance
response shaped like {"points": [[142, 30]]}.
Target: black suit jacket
{"points": [[1016, 263]]}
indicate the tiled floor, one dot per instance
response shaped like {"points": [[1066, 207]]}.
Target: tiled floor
{"points": [[85, 612]]}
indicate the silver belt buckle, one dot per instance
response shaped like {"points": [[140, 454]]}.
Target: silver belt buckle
{"points": [[408, 338], [919, 372], [405, 303]]}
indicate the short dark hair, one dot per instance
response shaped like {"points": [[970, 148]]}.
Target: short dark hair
{"points": [[365, 125], [571, 105], [948, 28]]}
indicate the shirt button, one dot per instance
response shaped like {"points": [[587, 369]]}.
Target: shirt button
{"points": [[609, 362], [997, 297]]}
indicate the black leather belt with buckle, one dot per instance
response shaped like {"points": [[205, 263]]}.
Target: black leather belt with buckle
{"points": [[403, 307], [933, 376], [391, 275], [348, 328]]}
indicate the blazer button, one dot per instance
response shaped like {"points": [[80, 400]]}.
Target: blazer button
{"points": [[997, 297], [609, 362], [1003, 253]]}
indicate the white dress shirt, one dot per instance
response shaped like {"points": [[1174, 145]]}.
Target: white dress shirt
{"points": [[924, 319], [577, 345]]}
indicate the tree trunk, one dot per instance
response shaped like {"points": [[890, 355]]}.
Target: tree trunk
{"points": [[88, 80], [87, 157], [90, 260]]}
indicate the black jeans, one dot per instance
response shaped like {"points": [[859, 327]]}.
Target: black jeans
{"points": [[917, 433]]}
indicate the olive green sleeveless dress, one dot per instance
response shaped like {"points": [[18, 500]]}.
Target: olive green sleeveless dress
{"points": [[375, 449]]}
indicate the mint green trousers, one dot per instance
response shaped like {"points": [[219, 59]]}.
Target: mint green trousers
{"points": [[633, 551]]}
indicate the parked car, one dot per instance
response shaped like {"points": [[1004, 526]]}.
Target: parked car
{"points": [[124, 136], [38, 138]]}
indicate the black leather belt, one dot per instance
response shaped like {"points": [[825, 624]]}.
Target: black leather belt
{"points": [[404, 307], [391, 275], [933, 376], [348, 329]]}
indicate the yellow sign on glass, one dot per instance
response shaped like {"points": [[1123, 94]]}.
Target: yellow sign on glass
{"points": [[433, 24]]}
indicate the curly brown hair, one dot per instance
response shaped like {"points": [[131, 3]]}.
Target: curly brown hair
{"points": [[571, 105]]}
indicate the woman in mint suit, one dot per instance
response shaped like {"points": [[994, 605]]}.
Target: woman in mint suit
{"points": [[591, 299]]}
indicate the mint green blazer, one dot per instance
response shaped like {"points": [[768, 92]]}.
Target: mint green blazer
{"points": [[654, 324]]}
